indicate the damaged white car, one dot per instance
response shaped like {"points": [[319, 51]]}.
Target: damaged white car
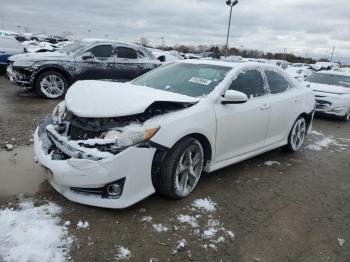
{"points": [[332, 91], [113, 144]]}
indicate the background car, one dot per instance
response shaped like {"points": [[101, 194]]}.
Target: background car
{"points": [[112, 144], [50, 74], [332, 91], [8, 46], [299, 72]]}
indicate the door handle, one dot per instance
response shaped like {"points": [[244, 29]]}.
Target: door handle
{"points": [[297, 99], [265, 106]]}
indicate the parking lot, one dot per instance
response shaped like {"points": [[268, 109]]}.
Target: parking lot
{"points": [[296, 208]]}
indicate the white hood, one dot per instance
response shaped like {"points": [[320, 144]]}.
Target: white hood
{"points": [[329, 88], [111, 99]]}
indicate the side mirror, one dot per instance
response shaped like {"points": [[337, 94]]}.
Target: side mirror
{"points": [[161, 58], [307, 84], [87, 55], [234, 97]]}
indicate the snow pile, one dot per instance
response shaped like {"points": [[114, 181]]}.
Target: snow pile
{"points": [[209, 233], [160, 228], [180, 246], [192, 221], [32, 233], [123, 253], [205, 204]]}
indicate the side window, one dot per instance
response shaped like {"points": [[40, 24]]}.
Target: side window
{"points": [[250, 83], [126, 52], [277, 83], [102, 51]]}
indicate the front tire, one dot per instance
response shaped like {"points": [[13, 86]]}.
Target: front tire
{"points": [[51, 85], [297, 135], [181, 169]]}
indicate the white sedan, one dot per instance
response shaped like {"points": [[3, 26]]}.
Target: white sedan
{"points": [[332, 91], [113, 144]]}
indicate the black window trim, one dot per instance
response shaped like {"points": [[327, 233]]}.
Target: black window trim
{"points": [[290, 88], [248, 68], [96, 44], [125, 46]]}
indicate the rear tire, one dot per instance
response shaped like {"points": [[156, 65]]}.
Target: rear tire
{"points": [[51, 85], [297, 135], [181, 169]]}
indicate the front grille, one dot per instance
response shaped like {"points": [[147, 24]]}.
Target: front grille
{"points": [[78, 133], [321, 104]]}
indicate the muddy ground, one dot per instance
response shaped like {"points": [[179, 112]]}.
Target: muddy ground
{"points": [[292, 211]]}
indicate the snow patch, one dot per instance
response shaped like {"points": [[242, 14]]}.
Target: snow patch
{"points": [[32, 233], [205, 204], [209, 233], [123, 253], [82, 225], [341, 241], [192, 221], [160, 228], [271, 163]]}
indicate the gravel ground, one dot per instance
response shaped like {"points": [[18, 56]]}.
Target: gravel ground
{"points": [[294, 210]]}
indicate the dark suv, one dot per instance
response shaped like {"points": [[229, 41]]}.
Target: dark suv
{"points": [[50, 74]]}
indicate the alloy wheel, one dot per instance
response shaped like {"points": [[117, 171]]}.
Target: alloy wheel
{"points": [[52, 86], [189, 169], [298, 134]]}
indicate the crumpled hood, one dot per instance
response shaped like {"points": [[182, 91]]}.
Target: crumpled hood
{"points": [[111, 99], [329, 88], [45, 56]]}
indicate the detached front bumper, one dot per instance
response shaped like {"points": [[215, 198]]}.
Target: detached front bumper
{"points": [[132, 166], [331, 107]]}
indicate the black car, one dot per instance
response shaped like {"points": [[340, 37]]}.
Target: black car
{"points": [[50, 74]]}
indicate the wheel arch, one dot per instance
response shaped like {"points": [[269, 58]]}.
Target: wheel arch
{"points": [[308, 117], [56, 68]]}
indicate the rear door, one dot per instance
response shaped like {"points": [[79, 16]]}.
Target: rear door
{"points": [[241, 128], [283, 102], [127, 63]]}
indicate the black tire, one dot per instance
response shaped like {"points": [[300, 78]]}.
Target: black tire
{"points": [[56, 75], [291, 147], [166, 179]]}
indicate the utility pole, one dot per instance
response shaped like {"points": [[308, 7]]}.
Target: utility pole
{"points": [[230, 4], [162, 43], [332, 53], [284, 54]]}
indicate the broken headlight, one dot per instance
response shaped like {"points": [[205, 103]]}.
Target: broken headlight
{"points": [[59, 112], [23, 63], [130, 135]]}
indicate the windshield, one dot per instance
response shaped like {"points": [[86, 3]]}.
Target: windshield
{"points": [[74, 48], [330, 79], [9, 44], [187, 79]]}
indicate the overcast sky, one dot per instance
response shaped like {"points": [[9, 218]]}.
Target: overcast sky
{"points": [[300, 26]]}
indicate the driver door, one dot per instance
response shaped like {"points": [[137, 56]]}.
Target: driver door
{"points": [[101, 66], [241, 128]]}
